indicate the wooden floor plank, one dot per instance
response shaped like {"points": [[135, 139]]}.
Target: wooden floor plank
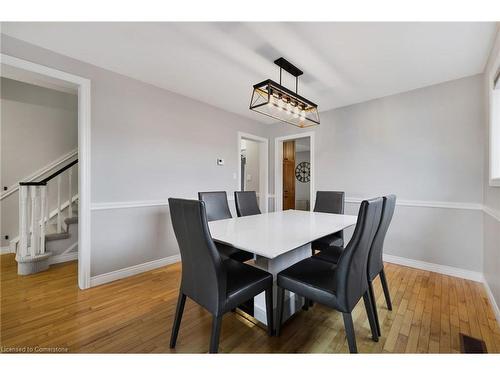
{"points": [[135, 315]]}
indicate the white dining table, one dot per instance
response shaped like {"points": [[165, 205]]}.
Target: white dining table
{"points": [[278, 240]]}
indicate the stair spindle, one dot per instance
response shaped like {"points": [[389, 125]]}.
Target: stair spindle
{"points": [[70, 203], [23, 221], [35, 219], [59, 218], [43, 211]]}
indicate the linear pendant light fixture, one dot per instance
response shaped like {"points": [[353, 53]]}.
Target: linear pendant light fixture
{"points": [[274, 100]]}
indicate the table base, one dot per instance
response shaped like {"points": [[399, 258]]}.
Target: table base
{"points": [[293, 302]]}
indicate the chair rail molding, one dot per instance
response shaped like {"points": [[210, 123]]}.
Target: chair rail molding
{"points": [[127, 204], [136, 204], [429, 204], [406, 203]]}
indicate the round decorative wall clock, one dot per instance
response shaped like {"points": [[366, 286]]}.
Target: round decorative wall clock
{"points": [[303, 171]]}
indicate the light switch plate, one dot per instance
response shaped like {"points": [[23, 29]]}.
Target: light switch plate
{"points": [[220, 161]]}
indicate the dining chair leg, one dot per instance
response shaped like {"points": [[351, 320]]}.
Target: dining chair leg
{"points": [[374, 304], [371, 316], [349, 331], [279, 309], [269, 311], [214, 338], [177, 320], [385, 287]]}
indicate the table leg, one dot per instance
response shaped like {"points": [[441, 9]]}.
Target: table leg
{"points": [[293, 303]]}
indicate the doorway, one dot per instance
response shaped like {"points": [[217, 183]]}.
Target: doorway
{"points": [[40, 75], [294, 177], [253, 158]]}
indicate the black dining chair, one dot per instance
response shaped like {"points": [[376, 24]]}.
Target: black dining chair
{"points": [[330, 202], [375, 263], [338, 286], [218, 209], [246, 203], [218, 284]]}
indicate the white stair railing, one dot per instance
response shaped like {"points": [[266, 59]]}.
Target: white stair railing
{"points": [[34, 212], [32, 207]]}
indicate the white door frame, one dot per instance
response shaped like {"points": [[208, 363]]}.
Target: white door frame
{"points": [[278, 168], [84, 118], [263, 167]]}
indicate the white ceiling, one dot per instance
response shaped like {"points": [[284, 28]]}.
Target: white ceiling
{"points": [[217, 63]]}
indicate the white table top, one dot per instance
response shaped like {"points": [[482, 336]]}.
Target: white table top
{"points": [[275, 233]]}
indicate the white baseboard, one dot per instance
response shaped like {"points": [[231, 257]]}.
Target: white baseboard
{"points": [[133, 270], [433, 267], [494, 304], [5, 250], [64, 258]]}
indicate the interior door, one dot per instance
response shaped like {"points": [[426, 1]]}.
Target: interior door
{"points": [[289, 175]]}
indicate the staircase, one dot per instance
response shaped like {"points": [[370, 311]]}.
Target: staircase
{"points": [[63, 245], [46, 237]]}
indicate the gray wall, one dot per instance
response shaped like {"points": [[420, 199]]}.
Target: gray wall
{"points": [[38, 126], [491, 194], [148, 144], [423, 145]]}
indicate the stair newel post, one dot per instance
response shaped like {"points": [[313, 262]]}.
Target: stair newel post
{"points": [[59, 221], [70, 207], [35, 220], [23, 221], [43, 213]]}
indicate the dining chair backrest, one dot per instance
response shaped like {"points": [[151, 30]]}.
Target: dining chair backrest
{"points": [[375, 263], [216, 205], [246, 203], [203, 276], [351, 276], [330, 202]]}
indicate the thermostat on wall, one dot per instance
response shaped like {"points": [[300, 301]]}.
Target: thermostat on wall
{"points": [[220, 161]]}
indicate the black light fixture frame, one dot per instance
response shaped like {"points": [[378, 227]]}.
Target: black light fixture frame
{"points": [[267, 86]]}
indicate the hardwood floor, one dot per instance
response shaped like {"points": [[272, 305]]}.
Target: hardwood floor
{"points": [[135, 315]]}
